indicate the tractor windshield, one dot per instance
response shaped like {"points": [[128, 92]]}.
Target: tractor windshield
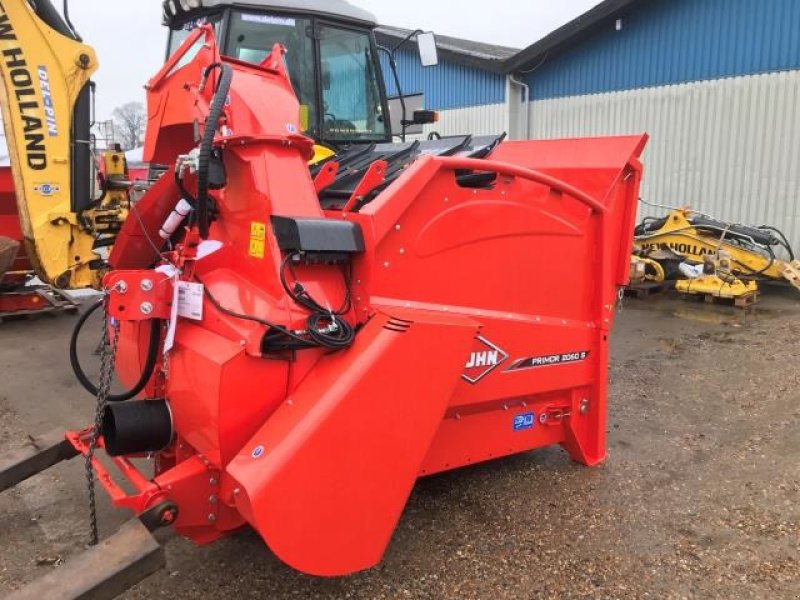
{"points": [[350, 90], [335, 76], [252, 37]]}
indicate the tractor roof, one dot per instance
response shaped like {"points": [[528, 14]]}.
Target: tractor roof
{"points": [[338, 9]]}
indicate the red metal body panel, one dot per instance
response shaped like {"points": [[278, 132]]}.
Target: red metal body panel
{"points": [[482, 319], [344, 449], [9, 220]]}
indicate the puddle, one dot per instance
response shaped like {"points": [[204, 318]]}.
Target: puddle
{"points": [[672, 305]]}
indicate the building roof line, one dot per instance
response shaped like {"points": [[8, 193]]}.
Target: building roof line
{"points": [[506, 60], [559, 39]]}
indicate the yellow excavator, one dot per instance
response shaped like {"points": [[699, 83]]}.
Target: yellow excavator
{"points": [[710, 257], [67, 227], [46, 108]]}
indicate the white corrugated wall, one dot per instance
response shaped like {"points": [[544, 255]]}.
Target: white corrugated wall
{"points": [[489, 119], [728, 147]]}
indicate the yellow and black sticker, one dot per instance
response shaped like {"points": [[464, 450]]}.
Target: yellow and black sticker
{"points": [[258, 239]]}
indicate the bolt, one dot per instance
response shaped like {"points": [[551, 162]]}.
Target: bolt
{"points": [[386, 264], [402, 250], [397, 227], [168, 516], [146, 308], [212, 499], [121, 287], [237, 491], [212, 518], [584, 406], [146, 285], [212, 481]]}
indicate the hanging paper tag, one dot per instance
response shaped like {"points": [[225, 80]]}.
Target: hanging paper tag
{"points": [[190, 300], [169, 338]]}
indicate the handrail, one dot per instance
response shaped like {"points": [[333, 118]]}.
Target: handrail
{"points": [[477, 164]]}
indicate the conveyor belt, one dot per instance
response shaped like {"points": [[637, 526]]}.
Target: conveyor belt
{"points": [[354, 162]]}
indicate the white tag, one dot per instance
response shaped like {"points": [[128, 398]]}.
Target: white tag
{"points": [[168, 270], [169, 339], [190, 300], [207, 248]]}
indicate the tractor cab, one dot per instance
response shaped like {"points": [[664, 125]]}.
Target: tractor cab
{"points": [[332, 57]]}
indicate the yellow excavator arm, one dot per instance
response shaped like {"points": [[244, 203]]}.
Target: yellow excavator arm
{"points": [[45, 103]]}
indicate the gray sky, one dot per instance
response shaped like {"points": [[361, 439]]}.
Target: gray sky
{"points": [[131, 42]]}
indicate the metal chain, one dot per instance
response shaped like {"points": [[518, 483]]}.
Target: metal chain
{"points": [[108, 355]]}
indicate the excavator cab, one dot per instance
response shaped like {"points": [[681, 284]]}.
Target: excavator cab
{"points": [[332, 58]]}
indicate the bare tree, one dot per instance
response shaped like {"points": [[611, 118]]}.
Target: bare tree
{"points": [[130, 120]]}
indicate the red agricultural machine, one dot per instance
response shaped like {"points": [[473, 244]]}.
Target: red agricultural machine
{"points": [[300, 345]]}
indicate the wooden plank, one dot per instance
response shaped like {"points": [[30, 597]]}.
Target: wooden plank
{"points": [[103, 571], [40, 453], [742, 301]]}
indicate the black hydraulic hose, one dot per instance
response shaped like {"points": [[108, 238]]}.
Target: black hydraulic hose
{"points": [[784, 240], [207, 142], [149, 365]]}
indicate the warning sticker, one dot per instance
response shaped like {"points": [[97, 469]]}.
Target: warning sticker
{"points": [[258, 239]]}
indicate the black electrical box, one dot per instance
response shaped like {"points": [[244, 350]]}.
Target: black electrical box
{"points": [[318, 236]]}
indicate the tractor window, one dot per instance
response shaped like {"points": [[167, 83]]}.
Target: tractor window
{"points": [[177, 36], [350, 89], [252, 37]]}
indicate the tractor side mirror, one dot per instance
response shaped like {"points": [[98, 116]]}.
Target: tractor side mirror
{"points": [[428, 54], [425, 117]]}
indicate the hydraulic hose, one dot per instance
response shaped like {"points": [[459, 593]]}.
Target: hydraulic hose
{"points": [[149, 365], [207, 142]]}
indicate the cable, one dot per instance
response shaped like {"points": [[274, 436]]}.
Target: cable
{"points": [[299, 341], [189, 197], [324, 325], [207, 142], [784, 240], [147, 371], [155, 248]]}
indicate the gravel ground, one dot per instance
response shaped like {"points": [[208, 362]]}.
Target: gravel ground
{"points": [[699, 498]]}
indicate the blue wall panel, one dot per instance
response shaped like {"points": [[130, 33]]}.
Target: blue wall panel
{"points": [[664, 42], [447, 85]]}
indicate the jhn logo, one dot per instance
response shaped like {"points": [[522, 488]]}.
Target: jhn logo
{"points": [[483, 359]]}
